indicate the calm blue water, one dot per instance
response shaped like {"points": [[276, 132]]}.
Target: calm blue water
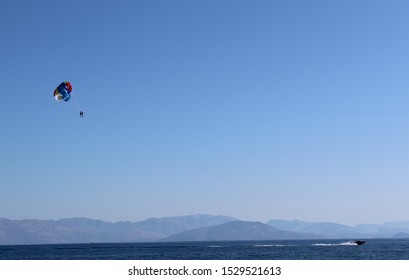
{"points": [[374, 249]]}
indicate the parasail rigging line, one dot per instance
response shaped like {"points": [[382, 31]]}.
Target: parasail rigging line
{"points": [[195, 166]]}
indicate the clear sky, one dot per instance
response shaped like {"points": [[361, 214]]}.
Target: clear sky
{"points": [[254, 109]]}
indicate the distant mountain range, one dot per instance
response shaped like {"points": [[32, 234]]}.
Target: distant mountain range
{"points": [[76, 230], [238, 230], [185, 228], [172, 225], [334, 230]]}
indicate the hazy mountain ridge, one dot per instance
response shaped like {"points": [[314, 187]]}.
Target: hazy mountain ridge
{"points": [[84, 230], [335, 230], [172, 225], [238, 230], [401, 235], [184, 228], [75, 230]]}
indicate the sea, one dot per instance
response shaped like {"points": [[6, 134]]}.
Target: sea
{"points": [[373, 249]]}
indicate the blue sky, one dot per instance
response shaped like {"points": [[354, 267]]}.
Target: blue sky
{"points": [[255, 109]]}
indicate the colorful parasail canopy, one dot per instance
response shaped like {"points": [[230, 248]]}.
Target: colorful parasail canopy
{"points": [[63, 91]]}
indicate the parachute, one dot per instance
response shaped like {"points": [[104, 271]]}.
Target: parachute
{"points": [[63, 92]]}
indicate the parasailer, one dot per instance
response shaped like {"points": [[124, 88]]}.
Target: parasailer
{"points": [[63, 92]]}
